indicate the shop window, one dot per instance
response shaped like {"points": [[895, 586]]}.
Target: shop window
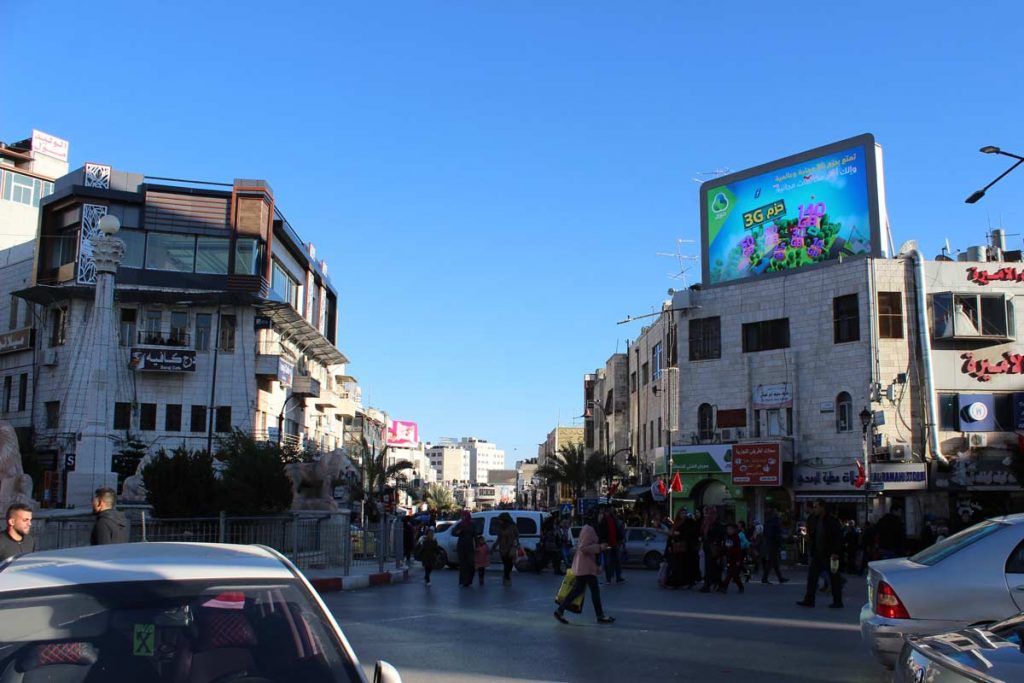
{"points": [[971, 315], [766, 335], [706, 338], [890, 315], [844, 412], [705, 422], [845, 319]]}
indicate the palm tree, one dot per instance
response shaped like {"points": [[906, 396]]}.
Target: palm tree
{"points": [[440, 498], [572, 468], [377, 473]]}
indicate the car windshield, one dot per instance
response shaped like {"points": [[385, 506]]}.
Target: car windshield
{"points": [[955, 543], [201, 631]]}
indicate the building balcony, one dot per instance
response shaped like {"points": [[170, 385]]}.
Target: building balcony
{"points": [[304, 385], [173, 338], [338, 401]]}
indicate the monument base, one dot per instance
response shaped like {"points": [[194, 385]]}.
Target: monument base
{"points": [[82, 486]]}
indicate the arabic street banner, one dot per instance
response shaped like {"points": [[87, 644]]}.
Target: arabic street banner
{"points": [[756, 464], [16, 340], [826, 478], [163, 361]]}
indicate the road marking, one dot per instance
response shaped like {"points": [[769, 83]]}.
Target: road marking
{"points": [[767, 621]]}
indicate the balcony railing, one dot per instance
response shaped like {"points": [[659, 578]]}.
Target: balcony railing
{"points": [[175, 337]]}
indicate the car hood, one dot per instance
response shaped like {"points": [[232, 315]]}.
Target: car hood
{"points": [[979, 651]]}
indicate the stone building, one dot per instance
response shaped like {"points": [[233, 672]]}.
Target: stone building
{"points": [[606, 412]]}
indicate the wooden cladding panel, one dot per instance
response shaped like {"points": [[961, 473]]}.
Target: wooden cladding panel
{"points": [[252, 217], [167, 210]]}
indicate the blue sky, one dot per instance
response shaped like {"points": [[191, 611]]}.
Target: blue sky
{"points": [[490, 183]]}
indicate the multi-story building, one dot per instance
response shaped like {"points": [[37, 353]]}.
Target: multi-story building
{"points": [[450, 462], [654, 391], [526, 484], [558, 437], [606, 412], [484, 456], [225, 319]]}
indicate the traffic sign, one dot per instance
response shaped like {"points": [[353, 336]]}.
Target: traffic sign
{"points": [[565, 509]]}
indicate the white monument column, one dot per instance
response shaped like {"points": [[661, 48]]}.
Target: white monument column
{"points": [[94, 449]]}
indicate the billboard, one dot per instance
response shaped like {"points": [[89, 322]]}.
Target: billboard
{"points": [[816, 206], [402, 433], [756, 464]]}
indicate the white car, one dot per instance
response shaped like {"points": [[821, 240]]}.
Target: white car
{"points": [[973, 577], [528, 522], [182, 612]]}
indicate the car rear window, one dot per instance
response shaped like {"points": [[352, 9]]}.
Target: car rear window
{"points": [[955, 543], [527, 526]]}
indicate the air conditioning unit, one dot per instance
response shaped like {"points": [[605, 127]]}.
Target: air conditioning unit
{"points": [[729, 434], [899, 452], [50, 357], [977, 440]]}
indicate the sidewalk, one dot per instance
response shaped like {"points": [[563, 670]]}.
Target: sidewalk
{"points": [[360, 576]]}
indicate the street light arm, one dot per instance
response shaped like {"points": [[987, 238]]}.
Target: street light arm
{"points": [[981, 193], [631, 318]]}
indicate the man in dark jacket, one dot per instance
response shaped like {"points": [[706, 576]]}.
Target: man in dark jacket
{"points": [[111, 525], [16, 538], [771, 539], [825, 543], [613, 532]]}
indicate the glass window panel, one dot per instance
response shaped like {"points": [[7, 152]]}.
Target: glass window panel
{"points": [[228, 323], [212, 255], [166, 251], [965, 316], [21, 189], [204, 325], [993, 315], [135, 248], [179, 327], [942, 321], [246, 257]]}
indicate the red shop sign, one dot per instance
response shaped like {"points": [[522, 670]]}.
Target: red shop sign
{"points": [[982, 369], [983, 277], [756, 464]]}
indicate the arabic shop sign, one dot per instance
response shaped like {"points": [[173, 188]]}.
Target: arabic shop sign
{"points": [[16, 340], [827, 478], [773, 396], [983, 369], [756, 464], [983, 277], [702, 459], [900, 477], [163, 361]]}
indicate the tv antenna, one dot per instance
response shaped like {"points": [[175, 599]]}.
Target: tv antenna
{"points": [[704, 176], [686, 261]]}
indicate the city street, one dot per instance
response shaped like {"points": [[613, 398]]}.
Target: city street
{"points": [[444, 633]]}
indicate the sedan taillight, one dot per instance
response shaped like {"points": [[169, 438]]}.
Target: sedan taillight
{"points": [[888, 604]]}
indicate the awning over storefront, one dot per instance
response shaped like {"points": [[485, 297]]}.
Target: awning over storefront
{"points": [[295, 328]]}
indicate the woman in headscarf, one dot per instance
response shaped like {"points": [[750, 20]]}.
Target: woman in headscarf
{"points": [[713, 535], [676, 551], [508, 545], [465, 548]]}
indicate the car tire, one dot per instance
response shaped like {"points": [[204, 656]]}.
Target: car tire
{"points": [[652, 560]]}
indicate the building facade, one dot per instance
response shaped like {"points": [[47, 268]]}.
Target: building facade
{"points": [[654, 391], [450, 462], [606, 412]]}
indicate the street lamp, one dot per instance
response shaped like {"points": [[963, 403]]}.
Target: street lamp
{"points": [[866, 418], [990, 149]]}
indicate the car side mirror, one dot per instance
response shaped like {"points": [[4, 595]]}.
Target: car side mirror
{"points": [[385, 673]]}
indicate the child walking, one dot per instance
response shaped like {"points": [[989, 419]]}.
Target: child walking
{"points": [[482, 558], [733, 558], [428, 554]]}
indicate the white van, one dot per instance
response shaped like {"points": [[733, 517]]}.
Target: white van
{"points": [[527, 521]]}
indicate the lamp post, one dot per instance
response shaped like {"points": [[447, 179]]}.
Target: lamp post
{"points": [[990, 149], [866, 418]]}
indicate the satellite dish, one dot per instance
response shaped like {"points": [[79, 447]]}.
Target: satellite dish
{"points": [[908, 246]]}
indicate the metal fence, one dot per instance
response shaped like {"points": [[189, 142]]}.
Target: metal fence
{"points": [[311, 540]]}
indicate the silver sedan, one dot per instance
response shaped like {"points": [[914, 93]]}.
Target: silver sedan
{"points": [[991, 654], [973, 577]]}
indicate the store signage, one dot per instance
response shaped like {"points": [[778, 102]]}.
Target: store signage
{"points": [[773, 396], [16, 340], [163, 361], [285, 370], [983, 277], [756, 464], [826, 478], [900, 477], [402, 433], [50, 145], [702, 459], [983, 369]]}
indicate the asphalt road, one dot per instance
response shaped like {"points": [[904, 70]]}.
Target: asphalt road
{"points": [[444, 633]]}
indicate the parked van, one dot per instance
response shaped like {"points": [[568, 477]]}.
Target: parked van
{"points": [[528, 522]]}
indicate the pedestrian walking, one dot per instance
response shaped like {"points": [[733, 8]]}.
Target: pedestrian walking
{"points": [[17, 538], [111, 525], [481, 558], [713, 535], [732, 552], [428, 554], [549, 549], [566, 541], [465, 548], [508, 546], [584, 566], [611, 532], [408, 538], [771, 546], [825, 542], [675, 552]]}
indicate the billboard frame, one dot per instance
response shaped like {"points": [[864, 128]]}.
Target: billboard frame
{"points": [[871, 164]]}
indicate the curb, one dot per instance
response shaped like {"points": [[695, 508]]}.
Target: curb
{"points": [[346, 583]]}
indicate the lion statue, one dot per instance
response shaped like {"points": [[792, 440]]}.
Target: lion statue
{"points": [[15, 485], [312, 482], [133, 490]]}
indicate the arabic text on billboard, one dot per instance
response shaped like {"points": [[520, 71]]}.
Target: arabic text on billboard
{"points": [[756, 464], [791, 213], [402, 433]]}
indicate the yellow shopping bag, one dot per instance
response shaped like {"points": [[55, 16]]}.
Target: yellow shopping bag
{"points": [[568, 582]]}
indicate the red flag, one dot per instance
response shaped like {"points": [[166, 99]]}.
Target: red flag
{"points": [[861, 476], [677, 483], [661, 487]]}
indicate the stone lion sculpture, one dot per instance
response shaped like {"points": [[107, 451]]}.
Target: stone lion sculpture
{"points": [[15, 485], [312, 482], [133, 490]]}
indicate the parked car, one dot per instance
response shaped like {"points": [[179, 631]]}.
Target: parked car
{"points": [[644, 545], [992, 654], [169, 611], [528, 522], [973, 577]]}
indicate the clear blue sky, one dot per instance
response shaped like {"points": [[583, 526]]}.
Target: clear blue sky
{"points": [[490, 182]]}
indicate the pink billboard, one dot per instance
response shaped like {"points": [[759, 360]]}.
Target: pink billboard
{"points": [[402, 433]]}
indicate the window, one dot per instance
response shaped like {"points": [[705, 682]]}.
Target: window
{"points": [[58, 323], [147, 417], [135, 248], [706, 338], [247, 257], [127, 330], [632, 382], [122, 415], [957, 542], [645, 373], [227, 333], [314, 308], [844, 412], [204, 323], [949, 413], [22, 391], [527, 526], [656, 361], [643, 439], [766, 335], [971, 315], [29, 313], [890, 315], [8, 384], [169, 251], [705, 422], [659, 431], [172, 418], [13, 322], [1003, 410], [212, 255], [773, 422], [284, 288], [52, 414], [198, 423], [223, 423], [19, 188], [179, 328], [651, 440], [845, 319], [154, 321]]}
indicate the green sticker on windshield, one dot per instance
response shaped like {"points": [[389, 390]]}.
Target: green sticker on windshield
{"points": [[144, 642]]}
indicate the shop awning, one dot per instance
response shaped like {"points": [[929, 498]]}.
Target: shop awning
{"points": [[294, 327]]}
